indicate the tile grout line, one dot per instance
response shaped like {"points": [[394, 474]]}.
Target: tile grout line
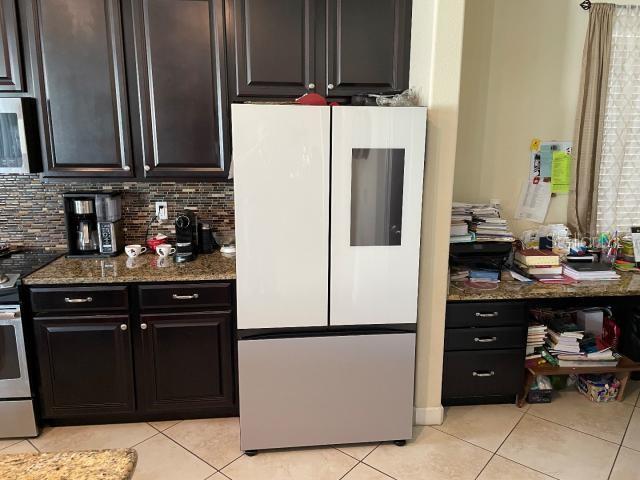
{"points": [[575, 429], [493, 454], [189, 451], [32, 444], [12, 444], [462, 439], [149, 438], [371, 466], [613, 465], [526, 466], [237, 458]]}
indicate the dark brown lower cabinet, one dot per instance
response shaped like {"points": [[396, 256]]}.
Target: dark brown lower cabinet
{"points": [[184, 362], [85, 365]]}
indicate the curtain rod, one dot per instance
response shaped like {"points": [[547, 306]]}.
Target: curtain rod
{"points": [[586, 5]]}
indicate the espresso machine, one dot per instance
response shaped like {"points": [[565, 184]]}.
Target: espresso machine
{"points": [[186, 236], [94, 224]]}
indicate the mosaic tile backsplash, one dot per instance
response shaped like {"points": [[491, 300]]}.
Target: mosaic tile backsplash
{"points": [[31, 212]]}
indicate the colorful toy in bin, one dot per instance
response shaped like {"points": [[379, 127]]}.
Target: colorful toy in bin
{"points": [[598, 388]]}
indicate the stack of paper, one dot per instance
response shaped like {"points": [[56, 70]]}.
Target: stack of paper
{"points": [[488, 226], [460, 219], [603, 358], [590, 271]]}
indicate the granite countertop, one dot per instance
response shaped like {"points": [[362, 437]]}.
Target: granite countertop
{"points": [[628, 285], [88, 465], [122, 269]]}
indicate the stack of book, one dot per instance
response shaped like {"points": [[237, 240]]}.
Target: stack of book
{"points": [[488, 226], [564, 342], [541, 265], [536, 336], [603, 358], [458, 274], [460, 219], [484, 275], [590, 271]]}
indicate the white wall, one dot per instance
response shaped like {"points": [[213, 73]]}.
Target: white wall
{"points": [[436, 56], [520, 80]]}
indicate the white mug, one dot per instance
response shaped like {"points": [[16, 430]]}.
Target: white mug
{"points": [[134, 250], [165, 250]]}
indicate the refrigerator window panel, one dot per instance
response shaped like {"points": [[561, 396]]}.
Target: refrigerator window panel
{"points": [[377, 183], [10, 146]]}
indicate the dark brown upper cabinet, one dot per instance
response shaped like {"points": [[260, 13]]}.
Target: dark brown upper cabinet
{"points": [[273, 45], [337, 48], [81, 88], [10, 61], [368, 44], [177, 65]]}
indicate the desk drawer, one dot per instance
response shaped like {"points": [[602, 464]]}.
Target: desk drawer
{"points": [[489, 338], [79, 299], [474, 374], [485, 314], [185, 295]]}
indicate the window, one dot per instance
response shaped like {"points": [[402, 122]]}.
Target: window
{"points": [[619, 181]]}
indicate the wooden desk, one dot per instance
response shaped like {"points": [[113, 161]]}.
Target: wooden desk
{"points": [[491, 368], [622, 371]]}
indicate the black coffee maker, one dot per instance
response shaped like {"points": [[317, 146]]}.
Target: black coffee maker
{"points": [[186, 236]]}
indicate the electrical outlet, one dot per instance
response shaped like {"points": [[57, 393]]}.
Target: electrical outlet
{"points": [[161, 211]]}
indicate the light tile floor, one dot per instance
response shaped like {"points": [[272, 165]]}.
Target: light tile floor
{"points": [[571, 438]]}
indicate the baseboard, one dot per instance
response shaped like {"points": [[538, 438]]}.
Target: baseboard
{"points": [[429, 415]]}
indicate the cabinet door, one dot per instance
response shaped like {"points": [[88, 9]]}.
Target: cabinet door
{"points": [[273, 46], [185, 362], [85, 365], [367, 46], [181, 114], [82, 89], [10, 64]]}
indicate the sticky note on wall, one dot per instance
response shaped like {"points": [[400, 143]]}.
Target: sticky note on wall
{"points": [[560, 172]]}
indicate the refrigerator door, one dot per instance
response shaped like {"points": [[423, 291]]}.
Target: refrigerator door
{"points": [[376, 211], [339, 389], [281, 176]]}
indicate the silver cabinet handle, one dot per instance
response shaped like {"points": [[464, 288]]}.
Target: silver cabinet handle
{"points": [[330, 86], [485, 339], [126, 168], [312, 86], [78, 300], [185, 297], [147, 168], [487, 315], [143, 326], [123, 327], [484, 374]]}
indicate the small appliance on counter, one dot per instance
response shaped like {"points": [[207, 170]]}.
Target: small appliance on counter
{"points": [[186, 236], [205, 238], [94, 224], [227, 241]]}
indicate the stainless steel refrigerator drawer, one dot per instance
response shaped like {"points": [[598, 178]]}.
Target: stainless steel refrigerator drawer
{"points": [[325, 390]]}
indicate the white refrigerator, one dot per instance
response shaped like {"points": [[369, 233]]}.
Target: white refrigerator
{"points": [[328, 207]]}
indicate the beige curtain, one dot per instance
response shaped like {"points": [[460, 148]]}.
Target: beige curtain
{"points": [[587, 148]]}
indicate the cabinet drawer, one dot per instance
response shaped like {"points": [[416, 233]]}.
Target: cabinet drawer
{"points": [[489, 338], [472, 374], [485, 314], [79, 299], [185, 295]]}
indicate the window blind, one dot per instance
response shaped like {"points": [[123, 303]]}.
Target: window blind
{"points": [[619, 180]]}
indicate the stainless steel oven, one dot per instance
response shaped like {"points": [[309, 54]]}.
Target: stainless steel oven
{"points": [[17, 417], [19, 137]]}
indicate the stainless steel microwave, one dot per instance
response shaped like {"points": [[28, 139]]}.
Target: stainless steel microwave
{"points": [[19, 138]]}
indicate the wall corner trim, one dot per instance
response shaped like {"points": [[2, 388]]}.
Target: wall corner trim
{"points": [[429, 415]]}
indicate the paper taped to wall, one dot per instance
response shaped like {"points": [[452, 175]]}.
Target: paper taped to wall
{"points": [[560, 172], [542, 157], [534, 201]]}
